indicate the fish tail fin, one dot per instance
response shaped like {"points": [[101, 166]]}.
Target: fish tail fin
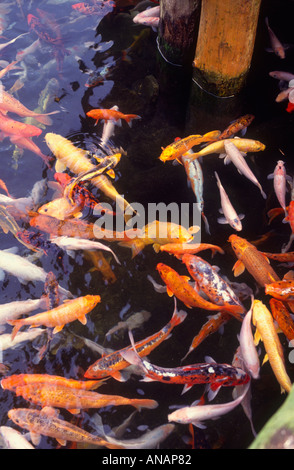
{"points": [[207, 228], [17, 325], [45, 119], [235, 310], [178, 316], [125, 56], [212, 135], [136, 246]]}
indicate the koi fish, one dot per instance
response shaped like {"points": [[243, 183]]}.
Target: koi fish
{"points": [[263, 320], [253, 260], [280, 180], [134, 321], [196, 413], [18, 380], [74, 400], [31, 49], [277, 46], [230, 215], [234, 155], [239, 124], [159, 233], [13, 439], [111, 364], [149, 440], [137, 44], [100, 264], [9, 127], [195, 178], [5, 44], [27, 143], [282, 257], [69, 311], [149, 17], [45, 422], [10, 104], [15, 309], [244, 145], [179, 249], [77, 161], [214, 323], [281, 290], [100, 8], [283, 318], [216, 375], [111, 114], [281, 75], [290, 107], [179, 286], [247, 346], [23, 269], [179, 147], [73, 243], [7, 343], [8, 67], [51, 291], [212, 284]]}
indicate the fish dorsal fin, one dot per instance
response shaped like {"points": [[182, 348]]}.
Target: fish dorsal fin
{"points": [[186, 278], [50, 412], [209, 359]]}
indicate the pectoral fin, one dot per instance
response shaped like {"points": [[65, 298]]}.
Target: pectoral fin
{"points": [[238, 268]]}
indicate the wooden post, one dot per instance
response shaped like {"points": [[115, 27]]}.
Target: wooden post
{"points": [[178, 28], [225, 44]]}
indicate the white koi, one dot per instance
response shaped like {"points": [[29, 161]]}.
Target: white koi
{"points": [[7, 343], [5, 44], [148, 17], [13, 439], [12, 310], [247, 346], [280, 179], [230, 215], [74, 243], [134, 321], [108, 130], [195, 414], [234, 155]]}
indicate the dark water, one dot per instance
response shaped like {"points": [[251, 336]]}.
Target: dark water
{"points": [[175, 109]]}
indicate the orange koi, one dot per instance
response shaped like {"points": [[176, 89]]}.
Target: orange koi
{"points": [[45, 422], [214, 323], [10, 104], [9, 127], [178, 148], [281, 290], [73, 400], [178, 285], [179, 249], [111, 364], [282, 317], [27, 143], [101, 265], [111, 115], [69, 311], [282, 257], [263, 320], [253, 260], [19, 380]]}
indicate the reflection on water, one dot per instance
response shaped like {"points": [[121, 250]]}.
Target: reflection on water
{"points": [[102, 61]]}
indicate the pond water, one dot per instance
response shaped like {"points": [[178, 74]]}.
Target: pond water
{"points": [[170, 106]]}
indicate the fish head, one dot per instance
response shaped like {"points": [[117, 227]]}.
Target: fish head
{"points": [[238, 244], [166, 154], [236, 224], [163, 269], [19, 416]]}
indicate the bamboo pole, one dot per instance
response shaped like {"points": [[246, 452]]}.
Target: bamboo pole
{"points": [[177, 33], [225, 44]]}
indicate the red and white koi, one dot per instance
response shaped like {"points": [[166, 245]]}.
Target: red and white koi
{"points": [[230, 215], [216, 375], [234, 155], [280, 181]]}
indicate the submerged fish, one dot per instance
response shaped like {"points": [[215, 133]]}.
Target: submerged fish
{"points": [[112, 115], [230, 215]]}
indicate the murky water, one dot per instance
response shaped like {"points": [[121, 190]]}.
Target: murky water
{"points": [[147, 86]]}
